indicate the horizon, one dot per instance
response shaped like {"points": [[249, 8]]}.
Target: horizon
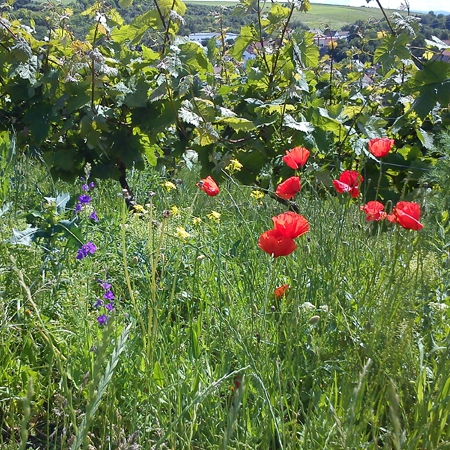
{"points": [[415, 5]]}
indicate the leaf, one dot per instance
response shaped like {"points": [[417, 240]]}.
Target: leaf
{"points": [[324, 122], [306, 50], [290, 122], [392, 49], [193, 57], [425, 138], [158, 93], [189, 116], [73, 234], [277, 13], [206, 134], [138, 96], [149, 54], [433, 85], [436, 42], [5, 208], [245, 38], [23, 237], [158, 375], [276, 108], [137, 28], [37, 118], [61, 202], [238, 123]]}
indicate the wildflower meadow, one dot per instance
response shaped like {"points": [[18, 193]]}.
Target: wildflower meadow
{"points": [[185, 321], [236, 245]]}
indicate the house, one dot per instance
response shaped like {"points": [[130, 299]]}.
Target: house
{"points": [[444, 55], [203, 37], [341, 35]]}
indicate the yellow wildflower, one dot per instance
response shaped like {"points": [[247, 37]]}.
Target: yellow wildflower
{"points": [[174, 211], [182, 233], [196, 220], [257, 194], [234, 166], [214, 215], [169, 185], [139, 209]]}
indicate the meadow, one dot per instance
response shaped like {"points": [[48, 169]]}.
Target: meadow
{"points": [[177, 331], [320, 16]]}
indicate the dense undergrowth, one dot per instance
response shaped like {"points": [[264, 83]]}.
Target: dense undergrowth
{"points": [[198, 352]]}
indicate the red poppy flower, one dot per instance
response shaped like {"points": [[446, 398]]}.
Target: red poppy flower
{"points": [[288, 188], [275, 244], [280, 291], [290, 224], [349, 181], [209, 186], [374, 211], [380, 147], [407, 215], [296, 157]]}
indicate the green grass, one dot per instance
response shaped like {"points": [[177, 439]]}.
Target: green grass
{"points": [[354, 356], [321, 16]]}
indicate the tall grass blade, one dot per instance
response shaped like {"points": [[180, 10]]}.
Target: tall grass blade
{"points": [[102, 383]]}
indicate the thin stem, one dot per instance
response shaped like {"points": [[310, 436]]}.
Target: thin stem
{"points": [[93, 69], [386, 17], [127, 276]]}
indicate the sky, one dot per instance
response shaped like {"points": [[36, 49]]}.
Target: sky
{"points": [[415, 5]]}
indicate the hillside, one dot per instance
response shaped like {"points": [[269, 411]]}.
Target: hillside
{"points": [[320, 14]]}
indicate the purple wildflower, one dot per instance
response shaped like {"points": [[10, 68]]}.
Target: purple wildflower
{"points": [[98, 303], [84, 199], [109, 295], [78, 207], [94, 216], [91, 185], [104, 284], [103, 319], [109, 306], [85, 187], [86, 249]]}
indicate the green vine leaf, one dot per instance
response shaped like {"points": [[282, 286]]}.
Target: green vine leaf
{"points": [[246, 37], [304, 126], [433, 85], [237, 123], [392, 49]]}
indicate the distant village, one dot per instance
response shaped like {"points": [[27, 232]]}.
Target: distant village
{"points": [[324, 41]]}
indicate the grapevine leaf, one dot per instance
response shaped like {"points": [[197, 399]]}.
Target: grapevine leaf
{"points": [[277, 13], [425, 138], [206, 134], [245, 38], [392, 49], [189, 116], [238, 123], [433, 85], [306, 51], [193, 56], [290, 122]]}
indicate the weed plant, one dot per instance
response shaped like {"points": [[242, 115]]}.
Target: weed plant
{"points": [[198, 352]]}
